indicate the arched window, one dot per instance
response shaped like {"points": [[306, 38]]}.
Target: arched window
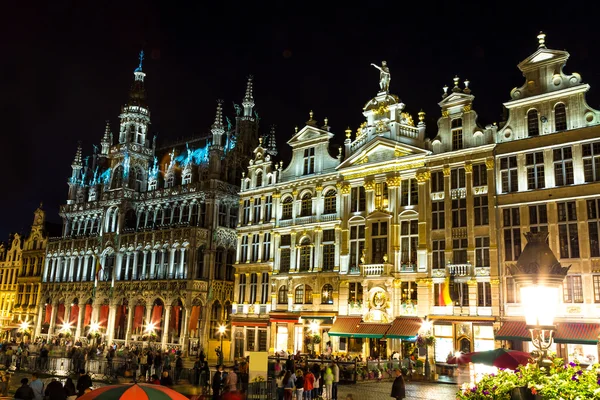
{"points": [[215, 320], [282, 295], [303, 294], [305, 255], [330, 203], [457, 134], [253, 287], [139, 179], [242, 289], [560, 117], [117, 180], [287, 208], [327, 294], [306, 207], [258, 179], [533, 125]]}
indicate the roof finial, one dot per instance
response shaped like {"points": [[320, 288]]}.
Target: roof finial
{"points": [[141, 56], [456, 88], [218, 125], [348, 132], [445, 91], [260, 139], [466, 89], [541, 40]]}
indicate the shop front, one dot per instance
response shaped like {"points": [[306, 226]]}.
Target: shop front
{"points": [[352, 336], [305, 333], [573, 341]]}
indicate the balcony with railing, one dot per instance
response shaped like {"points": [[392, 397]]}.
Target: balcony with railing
{"points": [[309, 219], [251, 310], [408, 267], [375, 269], [459, 269]]}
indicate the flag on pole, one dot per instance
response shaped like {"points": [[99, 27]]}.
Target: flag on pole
{"points": [[445, 298], [98, 266]]}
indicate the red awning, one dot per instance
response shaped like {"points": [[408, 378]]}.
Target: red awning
{"points": [[345, 326], [566, 332], [404, 328], [370, 330]]}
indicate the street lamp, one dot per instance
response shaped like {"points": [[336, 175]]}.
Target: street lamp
{"points": [[222, 329], [426, 330], [539, 276]]}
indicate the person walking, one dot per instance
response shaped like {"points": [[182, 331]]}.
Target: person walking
{"points": [[309, 381], [328, 380], [217, 383], [288, 386], [398, 387], [84, 382], [299, 384], [336, 380]]}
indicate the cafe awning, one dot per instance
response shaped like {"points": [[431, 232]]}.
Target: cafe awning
{"points": [[345, 326], [404, 328], [354, 327], [566, 332]]}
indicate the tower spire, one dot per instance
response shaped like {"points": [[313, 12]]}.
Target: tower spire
{"points": [[137, 95], [269, 143], [77, 160], [248, 102], [218, 129], [105, 143]]}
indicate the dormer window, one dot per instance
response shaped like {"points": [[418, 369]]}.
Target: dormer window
{"points": [[258, 179], [457, 134], [533, 125], [560, 117], [309, 161]]}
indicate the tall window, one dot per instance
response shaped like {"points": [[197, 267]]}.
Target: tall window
{"points": [[328, 249], [379, 238], [459, 213], [461, 294], [255, 247], [567, 230], [306, 205], [408, 290], [438, 254], [266, 255], [482, 251], [268, 208], [309, 161], [437, 214], [264, 288], [284, 260], [459, 251], [508, 174], [572, 289], [457, 134], [409, 241], [259, 179], [457, 178], [409, 192], [233, 216], [253, 287], [357, 244], [358, 199], [305, 255], [479, 175], [355, 292], [484, 294], [437, 181], [282, 295], [246, 212], [329, 202], [533, 124], [593, 216], [563, 166], [512, 233], [480, 204], [117, 179], [327, 294], [287, 208], [256, 213], [512, 291], [244, 249], [596, 284], [242, 289], [591, 162], [535, 170], [538, 218], [560, 117], [303, 294], [222, 214]]}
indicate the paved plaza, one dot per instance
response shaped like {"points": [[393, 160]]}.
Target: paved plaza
{"points": [[414, 390]]}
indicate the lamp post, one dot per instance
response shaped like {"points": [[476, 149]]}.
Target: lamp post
{"points": [[539, 276], [426, 330], [222, 332]]}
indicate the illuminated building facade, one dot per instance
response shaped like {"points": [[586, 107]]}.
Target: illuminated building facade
{"points": [[359, 247], [148, 242]]}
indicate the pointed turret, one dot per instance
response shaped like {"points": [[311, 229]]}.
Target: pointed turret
{"points": [[105, 143], [248, 102], [217, 128], [76, 166], [270, 143], [137, 95], [216, 148], [135, 116]]}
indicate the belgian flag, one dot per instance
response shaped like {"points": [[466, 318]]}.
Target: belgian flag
{"points": [[445, 298]]}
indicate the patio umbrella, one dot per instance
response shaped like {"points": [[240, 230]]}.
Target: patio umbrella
{"points": [[501, 358], [133, 392]]}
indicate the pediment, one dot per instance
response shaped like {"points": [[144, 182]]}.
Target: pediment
{"points": [[455, 98], [543, 55], [309, 134], [381, 149], [378, 214]]}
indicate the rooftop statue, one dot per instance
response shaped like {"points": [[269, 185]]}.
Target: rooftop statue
{"points": [[384, 76]]}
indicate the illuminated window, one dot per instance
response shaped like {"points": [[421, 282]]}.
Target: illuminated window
{"points": [[596, 283], [479, 175], [282, 295], [567, 230], [266, 255], [457, 178], [560, 117], [508, 174], [437, 214], [253, 287], [256, 213], [409, 192], [591, 162], [306, 205], [459, 213], [535, 170], [358, 199], [309, 161], [305, 255], [459, 251], [242, 289], [330, 202], [480, 204], [457, 134], [244, 249], [287, 208], [572, 289], [482, 251], [437, 181], [258, 179], [438, 254], [484, 294], [327, 294], [328, 249], [409, 241], [538, 218], [533, 124], [264, 291], [563, 166], [268, 208], [357, 244], [379, 241], [255, 247], [512, 233]]}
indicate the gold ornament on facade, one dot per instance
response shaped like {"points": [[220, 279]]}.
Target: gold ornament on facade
{"points": [[494, 281], [423, 176], [468, 167], [276, 195], [397, 283], [446, 170], [467, 108], [408, 118], [295, 193], [393, 181], [472, 282], [422, 116], [363, 160], [384, 170], [380, 127], [445, 113], [369, 185], [424, 281], [348, 132], [242, 202], [319, 188], [489, 163], [381, 110]]}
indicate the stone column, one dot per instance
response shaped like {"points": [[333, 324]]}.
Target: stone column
{"points": [[38, 323], [182, 264], [80, 316], [165, 329], [423, 192], [52, 318], [110, 325], [134, 275], [148, 314], [183, 337], [447, 214], [470, 216], [130, 309]]}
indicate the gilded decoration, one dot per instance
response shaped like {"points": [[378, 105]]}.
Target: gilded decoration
{"points": [[423, 177], [397, 283], [381, 110], [408, 119], [445, 113], [363, 160], [446, 170], [424, 281], [393, 181], [467, 108], [369, 185], [489, 163], [383, 170]]}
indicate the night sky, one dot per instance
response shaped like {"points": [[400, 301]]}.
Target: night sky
{"points": [[67, 67]]}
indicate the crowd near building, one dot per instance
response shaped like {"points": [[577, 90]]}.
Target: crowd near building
{"points": [[345, 250]]}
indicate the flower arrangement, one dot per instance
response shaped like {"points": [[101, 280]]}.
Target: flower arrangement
{"points": [[258, 378], [425, 340], [560, 380]]}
